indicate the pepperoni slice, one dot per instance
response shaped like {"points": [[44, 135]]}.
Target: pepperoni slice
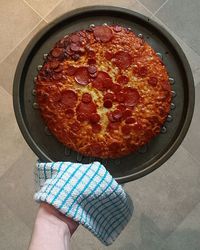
{"points": [[91, 53], [103, 33], [69, 51], [152, 81], [86, 108], [103, 76], [69, 113], [165, 85], [54, 64], [122, 59], [117, 28], [69, 98], [75, 57], [70, 71], [92, 69], [131, 96], [116, 88], [86, 98], [55, 97], [113, 126], [75, 127], [58, 69], [82, 76], [74, 47], [127, 113], [117, 115], [107, 103], [95, 118], [122, 80], [121, 107], [137, 45], [91, 61], [93, 75], [57, 76], [81, 117], [109, 96], [45, 74], [126, 129], [142, 71], [98, 85], [120, 97], [154, 119], [82, 33], [130, 120], [110, 117], [75, 38], [102, 81], [61, 43], [107, 84], [96, 128], [57, 52], [108, 55]]}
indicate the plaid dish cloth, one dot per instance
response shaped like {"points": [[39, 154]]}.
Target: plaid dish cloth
{"points": [[88, 194]]}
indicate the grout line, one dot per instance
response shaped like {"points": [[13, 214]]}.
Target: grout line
{"points": [[145, 7], [154, 15], [175, 35], [5, 90], [43, 19], [165, 26], [51, 11], [190, 154], [22, 40], [159, 8], [33, 9], [46, 19]]}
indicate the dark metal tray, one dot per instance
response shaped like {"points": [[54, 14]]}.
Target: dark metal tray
{"points": [[148, 158]]}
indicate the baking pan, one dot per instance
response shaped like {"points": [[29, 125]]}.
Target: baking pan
{"points": [[147, 158]]}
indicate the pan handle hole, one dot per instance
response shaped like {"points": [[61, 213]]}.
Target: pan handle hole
{"points": [[67, 151], [79, 157]]}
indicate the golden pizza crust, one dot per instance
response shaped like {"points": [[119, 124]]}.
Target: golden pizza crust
{"points": [[127, 92]]}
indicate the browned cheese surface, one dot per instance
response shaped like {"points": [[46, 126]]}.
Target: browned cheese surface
{"points": [[103, 92]]}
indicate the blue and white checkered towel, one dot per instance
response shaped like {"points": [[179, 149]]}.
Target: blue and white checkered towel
{"points": [[88, 194]]}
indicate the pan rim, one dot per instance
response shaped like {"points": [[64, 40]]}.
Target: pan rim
{"points": [[191, 90]]}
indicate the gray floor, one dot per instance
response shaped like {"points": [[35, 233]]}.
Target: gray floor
{"points": [[167, 202]]}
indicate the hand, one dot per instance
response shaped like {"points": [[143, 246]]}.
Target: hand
{"points": [[52, 230], [50, 213]]}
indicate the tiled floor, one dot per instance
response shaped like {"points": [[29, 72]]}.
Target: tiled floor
{"points": [[167, 202]]}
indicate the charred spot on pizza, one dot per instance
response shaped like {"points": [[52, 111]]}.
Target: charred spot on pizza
{"points": [[103, 92]]}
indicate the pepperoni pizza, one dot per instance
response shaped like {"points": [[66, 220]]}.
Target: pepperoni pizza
{"points": [[103, 91]]}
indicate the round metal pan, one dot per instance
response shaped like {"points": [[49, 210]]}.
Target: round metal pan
{"points": [[148, 158]]}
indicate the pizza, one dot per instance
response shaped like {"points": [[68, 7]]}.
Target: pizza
{"points": [[103, 91]]}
